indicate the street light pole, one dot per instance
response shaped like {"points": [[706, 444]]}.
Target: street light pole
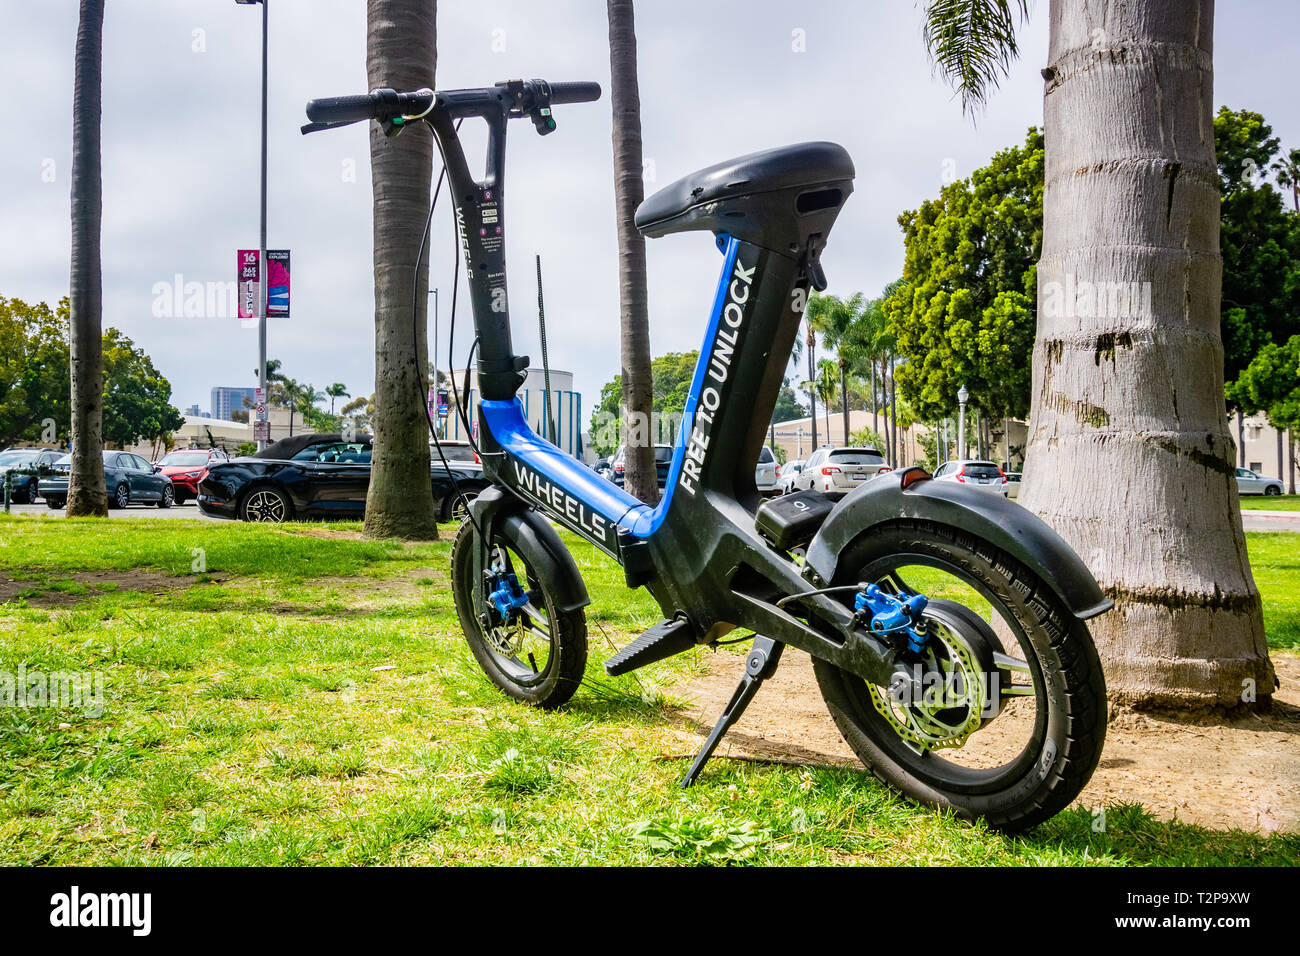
{"points": [[262, 265], [962, 397]]}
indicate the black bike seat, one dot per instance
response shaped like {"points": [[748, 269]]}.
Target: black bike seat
{"points": [[685, 203]]}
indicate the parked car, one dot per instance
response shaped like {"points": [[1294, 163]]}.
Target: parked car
{"points": [[320, 476], [605, 468], [786, 474], [1249, 483], [1013, 484], [187, 467], [984, 475], [765, 473], [454, 451], [128, 479], [23, 487], [839, 470], [663, 460]]}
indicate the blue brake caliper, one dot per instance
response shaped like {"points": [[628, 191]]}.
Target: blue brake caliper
{"points": [[885, 613], [506, 596]]}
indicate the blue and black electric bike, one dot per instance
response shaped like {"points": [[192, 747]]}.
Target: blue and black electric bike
{"points": [[945, 624]]}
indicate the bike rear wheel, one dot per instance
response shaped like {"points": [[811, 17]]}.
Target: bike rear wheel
{"points": [[1017, 721], [536, 653]]}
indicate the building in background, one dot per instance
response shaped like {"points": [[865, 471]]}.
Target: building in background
{"points": [[566, 408], [195, 412], [1259, 449], [226, 400]]}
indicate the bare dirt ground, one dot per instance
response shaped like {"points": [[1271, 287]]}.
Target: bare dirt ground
{"points": [[92, 582], [1243, 774]]}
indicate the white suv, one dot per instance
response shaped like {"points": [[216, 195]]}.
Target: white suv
{"points": [[765, 472], [984, 475], [839, 470]]}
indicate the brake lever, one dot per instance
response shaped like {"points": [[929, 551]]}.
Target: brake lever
{"points": [[317, 127]]}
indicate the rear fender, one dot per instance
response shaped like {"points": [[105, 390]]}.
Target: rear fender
{"points": [[1006, 525]]}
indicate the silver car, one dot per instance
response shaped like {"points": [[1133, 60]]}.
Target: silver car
{"points": [[1249, 483], [765, 472], [984, 475], [839, 470], [786, 475]]}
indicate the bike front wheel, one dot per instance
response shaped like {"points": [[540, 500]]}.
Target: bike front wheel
{"points": [[525, 644], [1011, 716]]}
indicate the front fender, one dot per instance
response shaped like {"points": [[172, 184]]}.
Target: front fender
{"points": [[1007, 526], [537, 542]]}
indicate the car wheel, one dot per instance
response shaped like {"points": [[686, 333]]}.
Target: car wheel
{"points": [[168, 497], [54, 504], [21, 495], [121, 496], [265, 504], [1273, 490], [457, 505]]}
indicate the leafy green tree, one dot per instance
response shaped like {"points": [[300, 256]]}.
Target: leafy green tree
{"points": [[137, 398], [671, 376], [1271, 384], [965, 315], [1259, 240], [787, 405], [33, 371]]}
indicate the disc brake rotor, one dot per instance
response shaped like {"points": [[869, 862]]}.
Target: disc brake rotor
{"points": [[952, 695]]}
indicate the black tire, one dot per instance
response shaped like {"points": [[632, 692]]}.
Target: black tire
{"points": [[1069, 691], [54, 504], [23, 496], [456, 505], [167, 499], [265, 503], [1273, 490], [121, 496], [555, 680]]}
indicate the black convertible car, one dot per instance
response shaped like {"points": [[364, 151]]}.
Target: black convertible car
{"points": [[321, 476]]}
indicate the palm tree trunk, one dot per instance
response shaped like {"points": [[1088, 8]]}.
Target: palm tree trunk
{"points": [[875, 421], [401, 53], [893, 414], [844, 397], [86, 492], [812, 384], [1136, 389], [1241, 439], [641, 477]]}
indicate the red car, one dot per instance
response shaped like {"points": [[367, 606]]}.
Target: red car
{"points": [[186, 468]]}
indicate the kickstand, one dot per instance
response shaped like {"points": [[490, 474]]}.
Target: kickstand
{"points": [[760, 664]]}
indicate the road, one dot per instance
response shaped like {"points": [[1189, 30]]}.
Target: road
{"points": [[1271, 520]]}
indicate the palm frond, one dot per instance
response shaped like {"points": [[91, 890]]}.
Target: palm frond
{"points": [[972, 44]]}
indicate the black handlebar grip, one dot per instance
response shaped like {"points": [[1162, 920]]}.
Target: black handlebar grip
{"points": [[577, 92], [342, 109]]}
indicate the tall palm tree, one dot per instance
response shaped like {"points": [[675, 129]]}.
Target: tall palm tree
{"points": [[825, 386], [86, 490], [336, 391], [641, 479], [841, 326], [401, 52], [818, 316], [1288, 175], [1131, 197]]}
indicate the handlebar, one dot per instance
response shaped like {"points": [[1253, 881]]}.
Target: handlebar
{"points": [[518, 97]]}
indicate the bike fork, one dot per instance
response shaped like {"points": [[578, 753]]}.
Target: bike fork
{"points": [[760, 664]]}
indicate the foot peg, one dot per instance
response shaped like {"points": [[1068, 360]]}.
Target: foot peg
{"points": [[663, 640], [760, 664]]}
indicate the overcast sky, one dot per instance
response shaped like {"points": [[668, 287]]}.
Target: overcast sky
{"points": [[718, 79]]}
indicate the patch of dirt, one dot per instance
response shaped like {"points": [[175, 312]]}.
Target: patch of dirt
{"points": [[94, 582], [1240, 774]]}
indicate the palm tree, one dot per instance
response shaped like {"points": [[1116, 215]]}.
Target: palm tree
{"points": [[401, 52], [841, 321], [1288, 175], [817, 317], [1130, 197], [273, 373], [629, 189], [86, 492], [825, 386], [336, 391]]}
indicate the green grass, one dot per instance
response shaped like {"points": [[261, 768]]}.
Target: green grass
{"points": [[1275, 563], [310, 700], [1270, 503]]}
